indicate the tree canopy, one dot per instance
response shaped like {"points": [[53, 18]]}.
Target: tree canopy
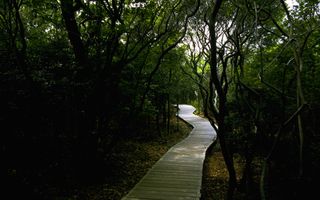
{"points": [[77, 76]]}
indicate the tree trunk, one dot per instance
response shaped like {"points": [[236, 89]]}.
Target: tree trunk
{"points": [[220, 112], [74, 34], [168, 114], [228, 158]]}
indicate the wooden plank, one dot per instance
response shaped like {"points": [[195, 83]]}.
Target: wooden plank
{"points": [[178, 174], [179, 185]]}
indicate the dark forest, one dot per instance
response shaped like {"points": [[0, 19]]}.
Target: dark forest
{"points": [[89, 92]]}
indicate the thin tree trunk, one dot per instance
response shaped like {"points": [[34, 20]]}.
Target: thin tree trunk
{"points": [[168, 114], [300, 101], [68, 13], [216, 85]]}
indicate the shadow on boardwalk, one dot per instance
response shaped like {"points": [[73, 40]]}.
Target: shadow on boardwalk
{"points": [[178, 174]]}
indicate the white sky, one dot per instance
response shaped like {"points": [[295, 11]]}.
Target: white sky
{"points": [[291, 3]]}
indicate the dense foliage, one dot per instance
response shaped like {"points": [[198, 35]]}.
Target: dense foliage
{"points": [[78, 76], [258, 81]]}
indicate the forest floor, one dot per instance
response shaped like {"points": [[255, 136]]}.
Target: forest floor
{"points": [[129, 161], [132, 157], [215, 177]]}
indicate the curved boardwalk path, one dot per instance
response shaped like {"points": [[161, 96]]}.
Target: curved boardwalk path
{"points": [[178, 174]]}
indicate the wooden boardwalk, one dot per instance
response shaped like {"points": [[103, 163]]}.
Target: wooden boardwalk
{"points": [[178, 174]]}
